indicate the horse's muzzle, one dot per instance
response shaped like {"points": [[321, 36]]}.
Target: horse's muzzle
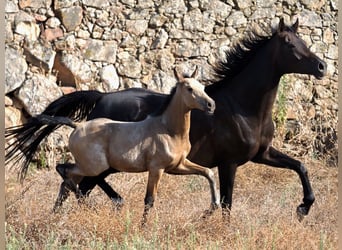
{"points": [[321, 69]]}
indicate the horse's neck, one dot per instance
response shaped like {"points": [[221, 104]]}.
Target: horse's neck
{"points": [[256, 86], [176, 117]]}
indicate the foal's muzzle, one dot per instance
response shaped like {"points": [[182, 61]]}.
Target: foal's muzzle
{"points": [[211, 107]]}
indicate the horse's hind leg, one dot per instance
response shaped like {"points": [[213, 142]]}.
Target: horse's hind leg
{"points": [[89, 182], [62, 196], [69, 182]]}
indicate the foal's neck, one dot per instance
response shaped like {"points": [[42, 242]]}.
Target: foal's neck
{"points": [[176, 117]]}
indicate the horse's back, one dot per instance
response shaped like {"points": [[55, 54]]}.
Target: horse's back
{"points": [[133, 104]]}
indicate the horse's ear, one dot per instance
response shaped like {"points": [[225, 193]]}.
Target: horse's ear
{"points": [[281, 26], [179, 76], [195, 73], [295, 26]]}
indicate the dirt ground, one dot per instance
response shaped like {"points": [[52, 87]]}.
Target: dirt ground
{"points": [[263, 214]]}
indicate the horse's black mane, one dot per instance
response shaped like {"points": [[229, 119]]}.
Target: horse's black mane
{"points": [[237, 58]]}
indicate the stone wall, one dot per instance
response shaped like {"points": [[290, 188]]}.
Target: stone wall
{"points": [[54, 47]]}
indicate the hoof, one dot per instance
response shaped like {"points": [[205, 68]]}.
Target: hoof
{"points": [[117, 203], [302, 211], [210, 211]]}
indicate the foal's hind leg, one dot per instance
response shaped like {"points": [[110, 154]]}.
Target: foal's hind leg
{"points": [[188, 167]]}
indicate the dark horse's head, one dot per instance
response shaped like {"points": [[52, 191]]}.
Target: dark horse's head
{"points": [[294, 56]]}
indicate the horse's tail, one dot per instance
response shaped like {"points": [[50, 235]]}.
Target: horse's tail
{"points": [[26, 138], [54, 120]]}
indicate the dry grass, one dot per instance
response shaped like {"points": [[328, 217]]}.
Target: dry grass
{"points": [[263, 214]]}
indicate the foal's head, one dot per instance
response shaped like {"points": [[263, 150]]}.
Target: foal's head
{"points": [[193, 93], [294, 56]]}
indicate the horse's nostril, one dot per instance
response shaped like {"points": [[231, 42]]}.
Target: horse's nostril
{"points": [[321, 67]]}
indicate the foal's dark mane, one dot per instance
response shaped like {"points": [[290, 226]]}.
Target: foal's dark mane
{"points": [[168, 99], [166, 102], [237, 58]]}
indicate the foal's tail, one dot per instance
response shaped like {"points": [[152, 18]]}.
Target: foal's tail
{"points": [[25, 139]]}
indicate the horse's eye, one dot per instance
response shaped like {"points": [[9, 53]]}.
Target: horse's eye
{"points": [[189, 89], [287, 39]]}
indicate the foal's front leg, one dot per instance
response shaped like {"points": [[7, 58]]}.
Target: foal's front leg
{"points": [[151, 192], [187, 167]]}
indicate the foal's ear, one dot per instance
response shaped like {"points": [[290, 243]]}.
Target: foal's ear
{"points": [[281, 26], [195, 73], [179, 76], [295, 26]]}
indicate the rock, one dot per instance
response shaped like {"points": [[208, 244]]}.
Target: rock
{"points": [[260, 13], [40, 55], [160, 41], [72, 70], [8, 101], [187, 48], [12, 117], [52, 34], [71, 17], [15, 69], [174, 7], [236, 19], [29, 30], [98, 50], [265, 3], [38, 92], [145, 4], [35, 4], [11, 6], [309, 19], [219, 10], [136, 27], [195, 21], [332, 52], [312, 4], [99, 4], [157, 21], [162, 82], [128, 65], [59, 4], [110, 78], [243, 4], [53, 22]]}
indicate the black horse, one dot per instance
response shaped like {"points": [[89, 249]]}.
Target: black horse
{"points": [[240, 130]]}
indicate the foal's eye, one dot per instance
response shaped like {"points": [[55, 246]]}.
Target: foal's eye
{"points": [[189, 89]]}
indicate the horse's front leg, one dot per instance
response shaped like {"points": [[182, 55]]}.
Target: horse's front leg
{"points": [[187, 167], [151, 191], [274, 158], [227, 178]]}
